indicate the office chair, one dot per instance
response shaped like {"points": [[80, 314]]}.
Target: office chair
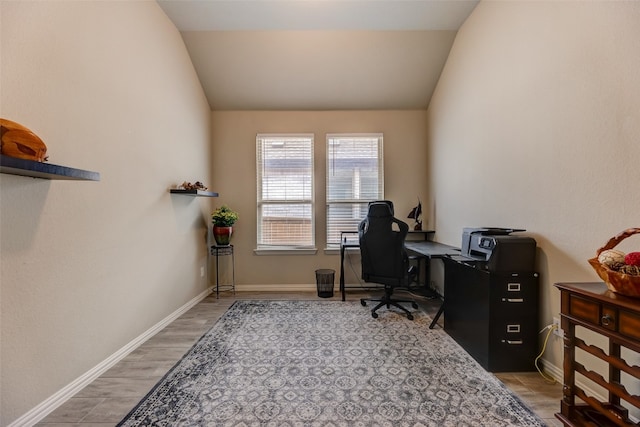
{"points": [[383, 256]]}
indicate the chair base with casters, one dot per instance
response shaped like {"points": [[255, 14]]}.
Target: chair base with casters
{"points": [[387, 301]]}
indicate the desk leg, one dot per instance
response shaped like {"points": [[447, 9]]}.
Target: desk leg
{"points": [[437, 316], [342, 290], [428, 286], [427, 273]]}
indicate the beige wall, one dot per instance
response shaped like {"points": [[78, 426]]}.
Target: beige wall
{"points": [[234, 176], [535, 123], [89, 266]]}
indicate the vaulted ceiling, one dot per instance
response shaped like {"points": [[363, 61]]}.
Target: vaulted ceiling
{"points": [[318, 54]]}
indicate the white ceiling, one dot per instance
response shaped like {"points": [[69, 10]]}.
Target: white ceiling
{"points": [[318, 54]]}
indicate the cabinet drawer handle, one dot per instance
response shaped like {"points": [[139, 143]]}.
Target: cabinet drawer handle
{"points": [[514, 342], [606, 320], [513, 299], [513, 328]]}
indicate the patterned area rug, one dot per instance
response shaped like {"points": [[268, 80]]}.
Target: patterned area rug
{"points": [[327, 363]]}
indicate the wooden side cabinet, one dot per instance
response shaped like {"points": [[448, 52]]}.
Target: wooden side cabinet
{"points": [[617, 319]]}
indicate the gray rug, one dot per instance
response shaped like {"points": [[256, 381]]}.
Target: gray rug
{"points": [[326, 363]]}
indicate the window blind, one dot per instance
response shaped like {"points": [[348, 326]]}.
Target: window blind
{"points": [[285, 191], [354, 178]]}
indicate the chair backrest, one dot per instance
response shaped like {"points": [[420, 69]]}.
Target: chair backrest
{"points": [[387, 202], [383, 256]]}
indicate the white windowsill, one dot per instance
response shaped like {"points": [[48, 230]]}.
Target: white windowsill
{"points": [[287, 251], [331, 251]]}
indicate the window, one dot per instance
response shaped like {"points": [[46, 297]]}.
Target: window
{"points": [[285, 191], [354, 178]]}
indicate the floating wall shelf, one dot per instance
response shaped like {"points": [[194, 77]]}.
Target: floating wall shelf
{"points": [[193, 193], [14, 166]]}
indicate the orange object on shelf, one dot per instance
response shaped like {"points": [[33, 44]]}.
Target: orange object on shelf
{"points": [[19, 142]]}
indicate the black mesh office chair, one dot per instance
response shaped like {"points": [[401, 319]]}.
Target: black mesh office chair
{"points": [[383, 256]]}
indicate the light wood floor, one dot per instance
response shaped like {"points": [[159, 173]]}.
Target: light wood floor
{"points": [[110, 397]]}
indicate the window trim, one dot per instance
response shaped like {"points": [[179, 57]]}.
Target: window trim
{"points": [[285, 249], [329, 246]]}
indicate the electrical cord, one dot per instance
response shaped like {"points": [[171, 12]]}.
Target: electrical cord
{"points": [[550, 330]]}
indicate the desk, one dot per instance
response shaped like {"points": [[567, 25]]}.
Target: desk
{"points": [[427, 249], [425, 233], [348, 239], [431, 250]]}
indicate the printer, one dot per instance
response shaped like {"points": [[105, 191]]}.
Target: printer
{"points": [[497, 250]]}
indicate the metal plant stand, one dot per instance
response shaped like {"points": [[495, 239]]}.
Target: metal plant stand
{"points": [[221, 251]]}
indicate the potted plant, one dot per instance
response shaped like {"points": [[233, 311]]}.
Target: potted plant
{"points": [[223, 219]]}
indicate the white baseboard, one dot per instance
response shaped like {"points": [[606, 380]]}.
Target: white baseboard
{"points": [[293, 287], [553, 371], [56, 400]]}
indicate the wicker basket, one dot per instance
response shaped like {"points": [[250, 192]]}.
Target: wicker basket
{"points": [[621, 283]]}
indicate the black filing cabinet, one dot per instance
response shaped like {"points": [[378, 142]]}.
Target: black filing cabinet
{"points": [[492, 315]]}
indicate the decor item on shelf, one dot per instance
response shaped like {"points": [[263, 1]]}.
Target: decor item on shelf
{"points": [[19, 142], [619, 271], [189, 186], [415, 215], [223, 219]]}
